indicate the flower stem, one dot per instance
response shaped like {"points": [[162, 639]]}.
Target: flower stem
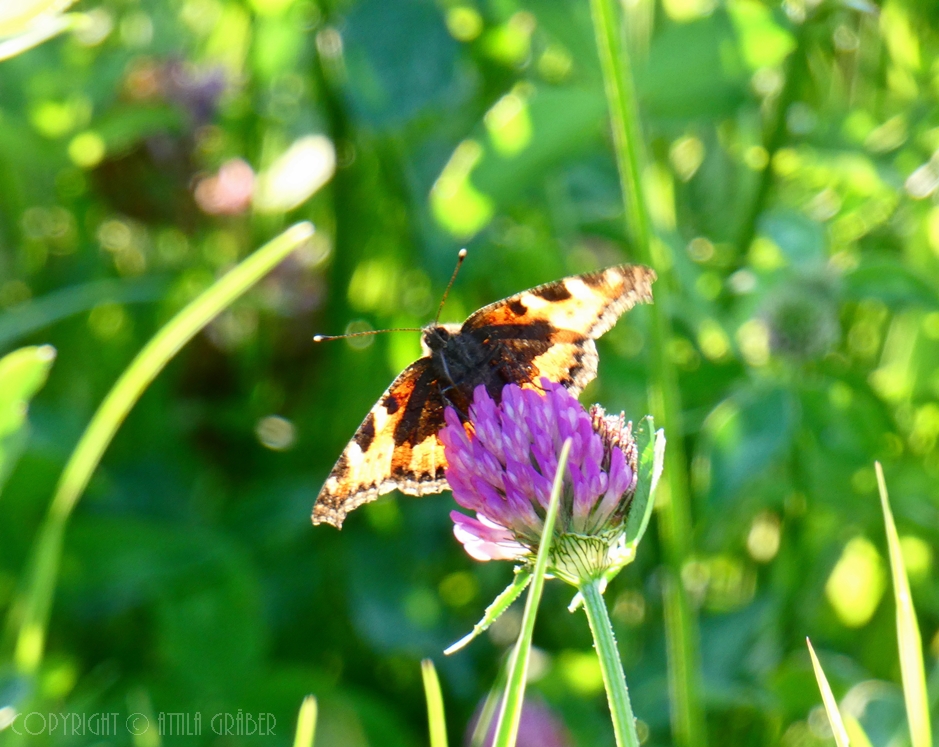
{"points": [[624, 723], [674, 514], [511, 713]]}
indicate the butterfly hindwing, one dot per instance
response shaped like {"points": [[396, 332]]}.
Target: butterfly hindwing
{"points": [[395, 447]]}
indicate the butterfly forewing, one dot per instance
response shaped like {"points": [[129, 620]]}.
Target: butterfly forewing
{"points": [[395, 447]]}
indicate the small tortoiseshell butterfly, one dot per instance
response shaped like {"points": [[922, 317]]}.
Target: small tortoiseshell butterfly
{"points": [[546, 331]]}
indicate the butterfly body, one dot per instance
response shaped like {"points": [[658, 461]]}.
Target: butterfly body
{"points": [[548, 331]]}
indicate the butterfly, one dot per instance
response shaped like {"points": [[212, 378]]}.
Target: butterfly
{"points": [[548, 331]]}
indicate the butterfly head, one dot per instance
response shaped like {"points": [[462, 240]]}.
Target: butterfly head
{"points": [[435, 337]]}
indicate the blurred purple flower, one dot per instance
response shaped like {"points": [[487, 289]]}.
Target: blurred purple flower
{"points": [[195, 89], [538, 727], [502, 464]]}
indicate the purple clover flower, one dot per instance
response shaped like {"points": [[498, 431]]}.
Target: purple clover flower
{"points": [[502, 464]]}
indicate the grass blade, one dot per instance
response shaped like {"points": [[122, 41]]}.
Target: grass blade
{"points": [[37, 313], [30, 613], [511, 712], [856, 734], [912, 669], [828, 699], [435, 715], [306, 723]]}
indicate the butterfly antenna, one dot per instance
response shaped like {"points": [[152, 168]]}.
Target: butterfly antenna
{"points": [[324, 338], [459, 262]]}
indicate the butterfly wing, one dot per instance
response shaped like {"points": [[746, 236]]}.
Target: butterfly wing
{"points": [[396, 447], [550, 330]]}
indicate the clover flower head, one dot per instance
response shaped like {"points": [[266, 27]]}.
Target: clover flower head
{"points": [[502, 463]]}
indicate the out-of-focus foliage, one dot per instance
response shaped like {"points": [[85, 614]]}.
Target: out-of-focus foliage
{"points": [[792, 181]]}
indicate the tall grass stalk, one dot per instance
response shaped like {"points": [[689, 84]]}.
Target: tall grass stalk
{"points": [[30, 615], [912, 669], [511, 713], [436, 720], [306, 723], [828, 700], [665, 400]]}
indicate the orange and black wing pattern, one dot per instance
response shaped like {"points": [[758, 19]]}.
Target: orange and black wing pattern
{"points": [[396, 447], [549, 331]]}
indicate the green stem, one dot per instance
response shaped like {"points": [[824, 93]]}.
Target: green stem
{"points": [[624, 723], [511, 714], [664, 394], [30, 615]]}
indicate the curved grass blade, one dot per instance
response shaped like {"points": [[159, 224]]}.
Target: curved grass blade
{"points": [[37, 313], [912, 670], [435, 715], [306, 723], [499, 605], [511, 713], [828, 699], [29, 615]]}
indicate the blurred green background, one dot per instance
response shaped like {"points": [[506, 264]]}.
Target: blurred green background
{"points": [[793, 163]]}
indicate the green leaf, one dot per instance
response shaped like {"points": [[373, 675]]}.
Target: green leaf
{"points": [[306, 723], [828, 699], [35, 314], [912, 670], [22, 373], [511, 713], [499, 605], [435, 715], [650, 445]]}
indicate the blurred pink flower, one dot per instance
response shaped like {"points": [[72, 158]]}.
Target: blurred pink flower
{"points": [[229, 191], [539, 727]]}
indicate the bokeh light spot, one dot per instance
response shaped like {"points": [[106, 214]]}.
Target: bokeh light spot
{"points": [[753, 339], [509, 124], [917, 557], [857, 582], [764, 536], [294, 177], [581, 672], [686, 155], [275, 432], [421, 607], [464, 23], [458, 589], [107, 320], [457, 204], [86, 149]]}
